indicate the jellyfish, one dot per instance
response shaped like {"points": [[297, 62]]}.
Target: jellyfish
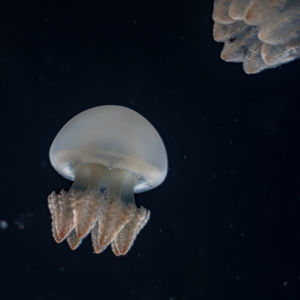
{"points": [[109, 152], [261, 34]]}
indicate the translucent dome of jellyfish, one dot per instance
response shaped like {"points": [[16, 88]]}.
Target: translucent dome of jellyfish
{"points": [[110, 152], [261, 34]]}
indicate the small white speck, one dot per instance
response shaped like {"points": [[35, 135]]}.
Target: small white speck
{"points": [[205, 119], [46, 19], [19, 225], [181, 38], [242, 235], [3, 225], [51, 293], [230, 142], [160, 230], [285, 283], [184, 156], [213, 176], [62, 269], [40, 78], [237, 277], [44, 164]]}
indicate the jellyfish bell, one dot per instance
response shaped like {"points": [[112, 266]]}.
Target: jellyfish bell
{"points": [[110, 152]]}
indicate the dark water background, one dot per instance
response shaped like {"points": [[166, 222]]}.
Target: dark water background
{"points": [[224, 224]]}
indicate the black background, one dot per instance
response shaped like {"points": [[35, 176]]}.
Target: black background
{"points": [[224, 224]]}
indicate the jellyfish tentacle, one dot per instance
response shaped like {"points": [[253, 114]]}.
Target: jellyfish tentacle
{"points": [[275, 55], [281, 28], [237, 9], [275, 23], [54, 211], [236, 50], [224, 33], [253, 62], [126, 237], [86, 213], [73, 240], [60, 206], [114, 215], [220, 14], [100, 202]]}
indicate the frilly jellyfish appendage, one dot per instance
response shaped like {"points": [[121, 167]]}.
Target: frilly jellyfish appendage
{"points": [[261, 34]]}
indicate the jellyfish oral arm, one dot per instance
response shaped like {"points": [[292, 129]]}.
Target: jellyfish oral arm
{"points": [[261, 34], [100, 202]]}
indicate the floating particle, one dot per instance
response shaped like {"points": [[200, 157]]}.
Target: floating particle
{"points": [[3, 225]]}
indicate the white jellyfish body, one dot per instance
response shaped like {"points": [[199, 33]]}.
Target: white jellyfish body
{"points": [[261, 34], [109, 152]]}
